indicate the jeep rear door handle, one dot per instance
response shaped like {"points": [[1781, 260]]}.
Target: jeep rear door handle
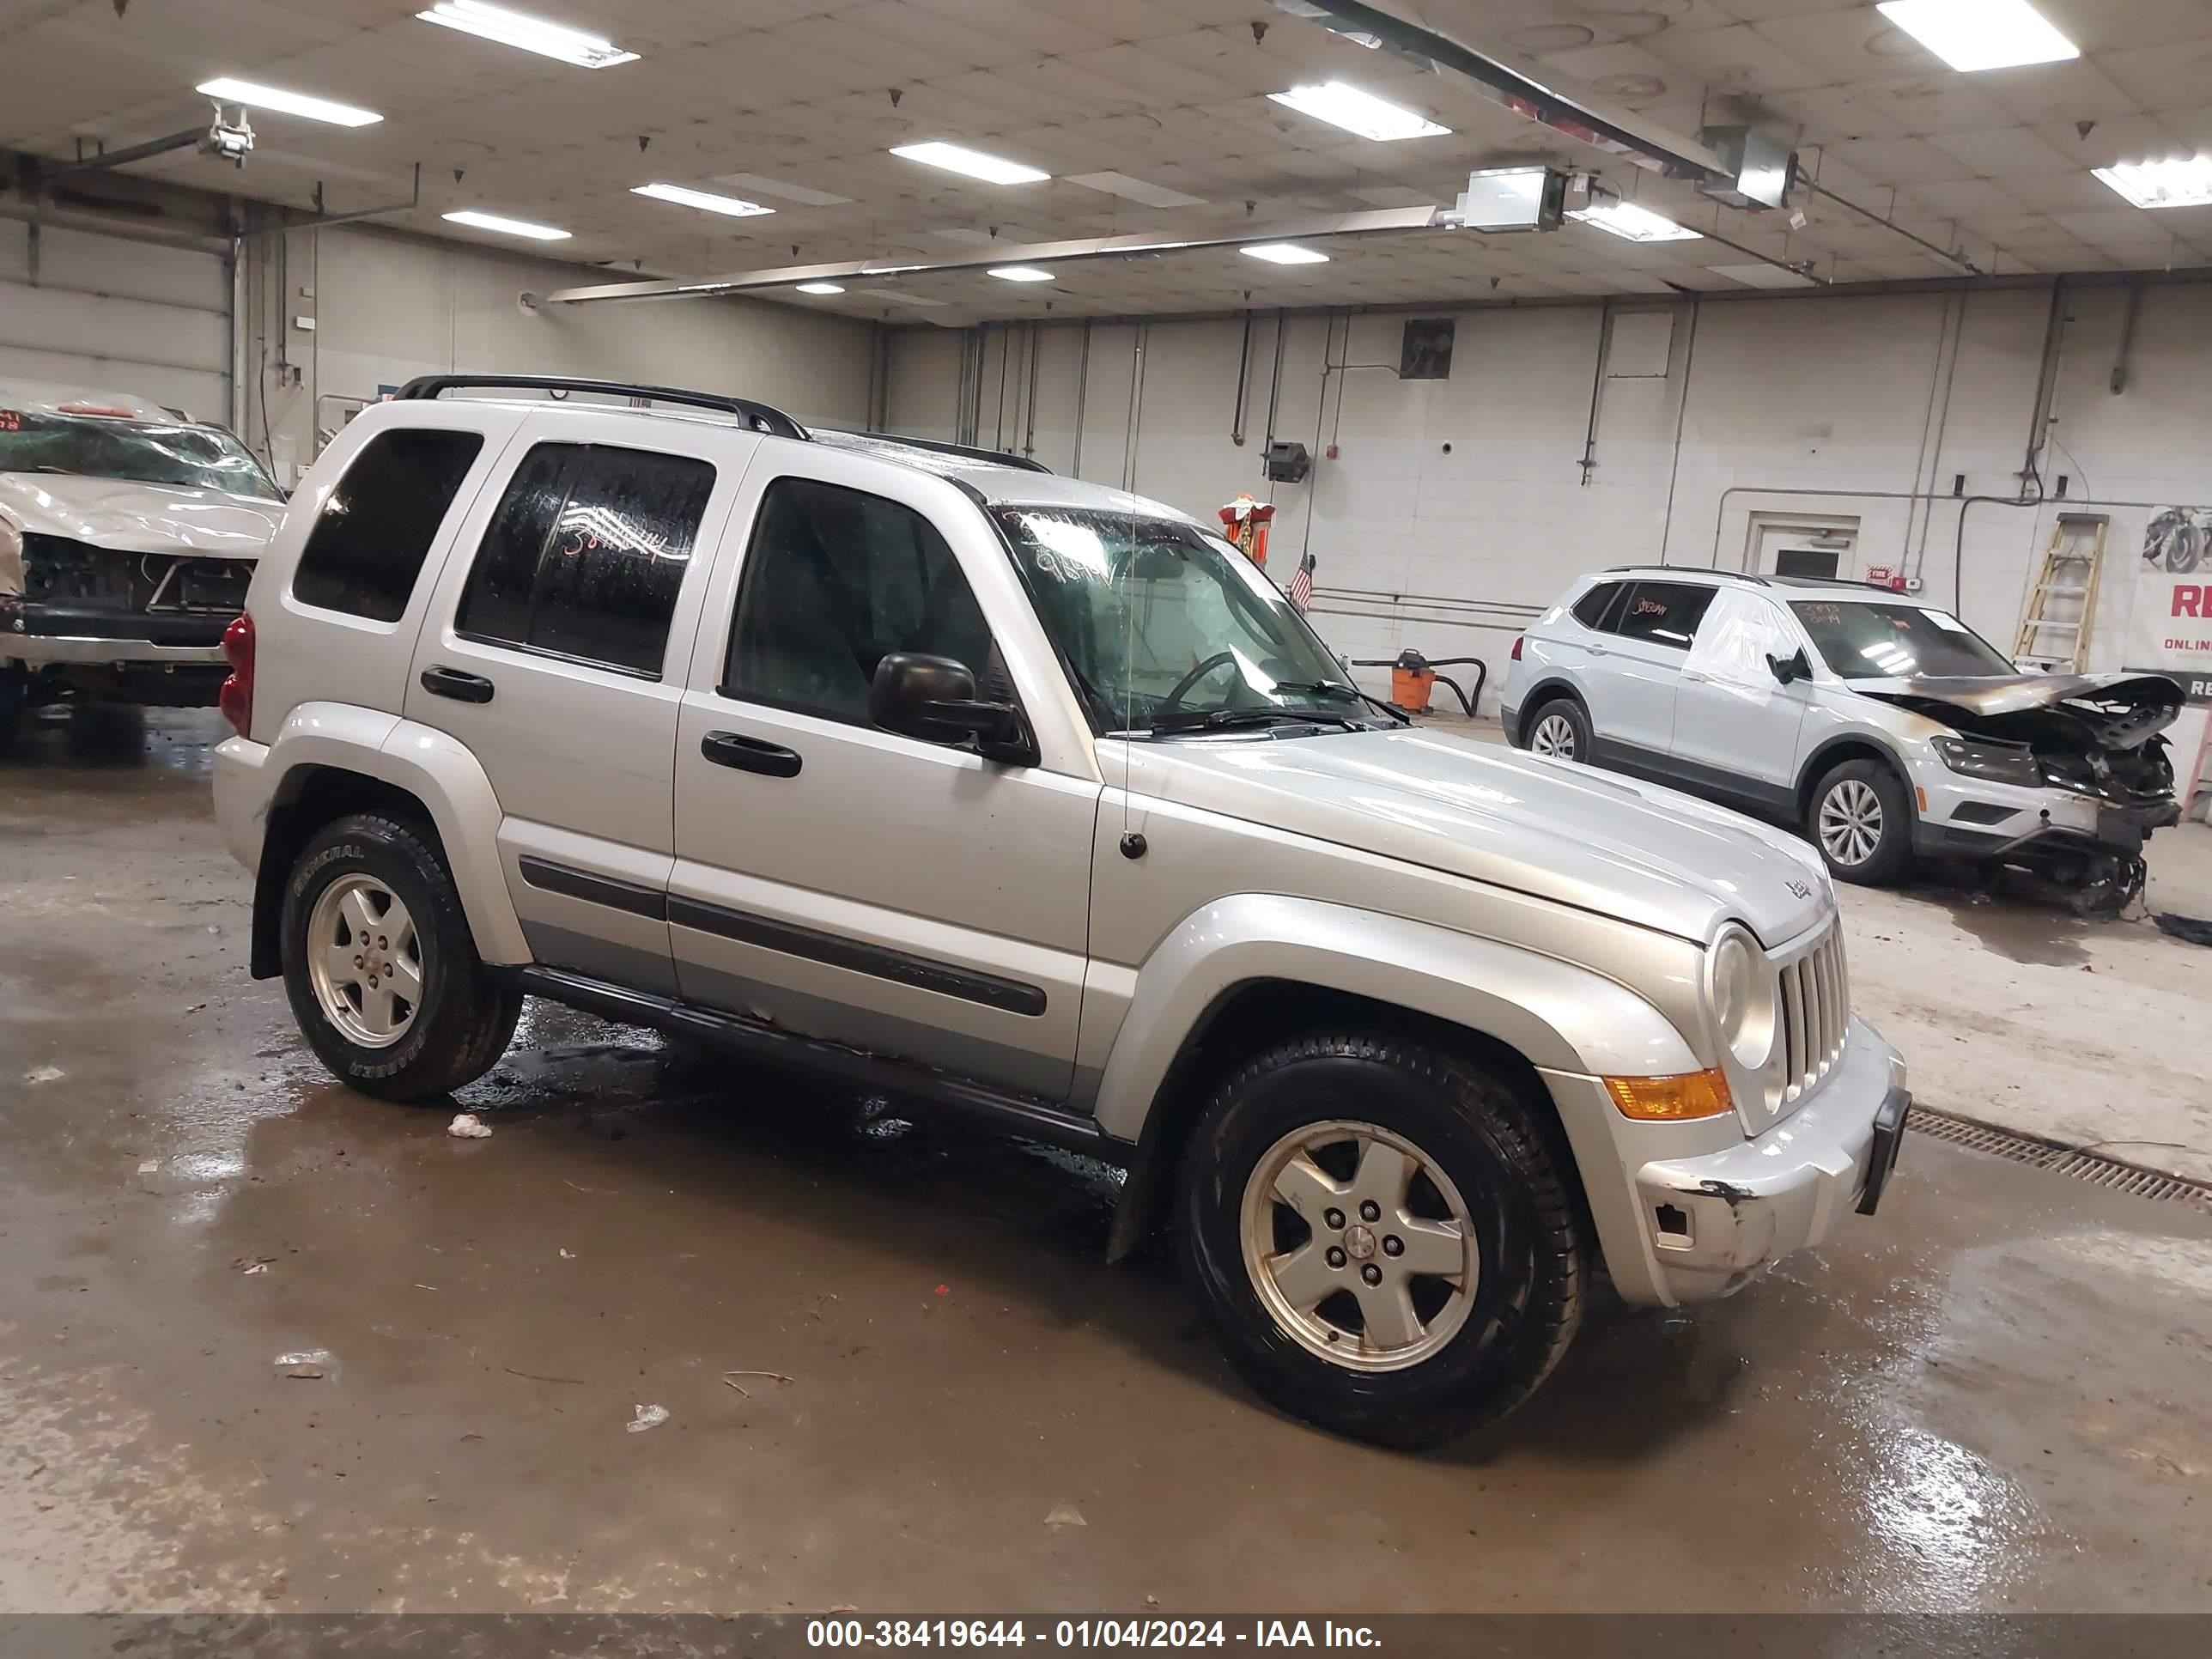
{"points": [[452, 683], [770, 760]]}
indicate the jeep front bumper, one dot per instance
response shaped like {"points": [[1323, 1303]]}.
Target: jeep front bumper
{"points": [[1701, 1223]]}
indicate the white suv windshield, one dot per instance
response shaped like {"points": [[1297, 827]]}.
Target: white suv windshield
{"points": [[140, 451], [1168, 629], [1862, 640]]}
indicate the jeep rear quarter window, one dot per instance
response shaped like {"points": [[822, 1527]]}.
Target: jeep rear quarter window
{"points": [[368, 543], [584, 557], [1665, 613]]}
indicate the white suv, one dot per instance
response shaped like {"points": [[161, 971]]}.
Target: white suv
{"points": [[1034, 800], [1881, 724]]}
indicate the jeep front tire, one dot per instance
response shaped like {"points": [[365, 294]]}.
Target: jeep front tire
{"points": [[1380, 1236], [382, 973]]}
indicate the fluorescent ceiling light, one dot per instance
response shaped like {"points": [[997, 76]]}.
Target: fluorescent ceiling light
{"points": [[1981, 35], [1636, 224], [991, 169], [705, 200], [514, 28], [505, 226], [1135, 189], [288, 103], [1284, 253], [1020, 274], [820, 288], [1358, 112], [2186, 182]]}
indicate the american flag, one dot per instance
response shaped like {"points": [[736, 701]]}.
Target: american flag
{"points": [[1302, 583]]}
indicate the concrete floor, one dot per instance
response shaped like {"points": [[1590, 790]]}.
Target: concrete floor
{"points": [[1990, 1397]]}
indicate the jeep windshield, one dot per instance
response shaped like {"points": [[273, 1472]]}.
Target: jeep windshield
{"points": [[137, 452], [1867, 641], [1168, 629]]}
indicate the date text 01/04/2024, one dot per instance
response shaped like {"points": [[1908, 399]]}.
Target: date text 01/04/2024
{"points": [[1085, 1634]]}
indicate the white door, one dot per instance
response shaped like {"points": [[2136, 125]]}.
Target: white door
{"points": [[113, 315], [1635, 667], [554, 651], [1735, 725], [845, 881]]}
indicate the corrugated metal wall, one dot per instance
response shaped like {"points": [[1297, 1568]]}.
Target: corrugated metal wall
{"points": [[117, 315]]}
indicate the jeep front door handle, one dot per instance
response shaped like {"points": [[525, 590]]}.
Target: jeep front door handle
{"points": [[452, 683], [770, 760]]}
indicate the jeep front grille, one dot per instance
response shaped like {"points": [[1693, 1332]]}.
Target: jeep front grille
{"points": [[1816, 1013]]}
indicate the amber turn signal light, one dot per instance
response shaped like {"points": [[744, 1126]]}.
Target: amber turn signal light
{"points": [[1672, 1099]]}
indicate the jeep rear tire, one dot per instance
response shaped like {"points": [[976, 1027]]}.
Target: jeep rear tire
{"points": [[1380, 1237], [1861, 820], [382, 973]]}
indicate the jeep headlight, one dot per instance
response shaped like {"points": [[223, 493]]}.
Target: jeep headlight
{"points": [[1991, 763], [1740, 992]]}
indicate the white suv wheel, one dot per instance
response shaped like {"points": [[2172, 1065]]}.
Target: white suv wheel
{"points": [[1554, 735], [1851, 822]]}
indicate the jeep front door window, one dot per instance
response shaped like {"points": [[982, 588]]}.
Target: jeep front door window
{"points": [[1165, 627]]}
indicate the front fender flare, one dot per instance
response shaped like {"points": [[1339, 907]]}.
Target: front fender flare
{"points": [[1557, 1016], [435, 768]]}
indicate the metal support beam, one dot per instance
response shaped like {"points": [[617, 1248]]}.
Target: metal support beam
{"points": [[321, 220], [1613, 133], [116, 158], [1366, 223], [1947, 255]]}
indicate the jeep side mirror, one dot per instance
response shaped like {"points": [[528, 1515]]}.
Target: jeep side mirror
{"points": [[1791, 667], [933, 698]]}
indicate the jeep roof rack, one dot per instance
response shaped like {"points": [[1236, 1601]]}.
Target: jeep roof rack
{"points": [[760, 417], [939, 447]]}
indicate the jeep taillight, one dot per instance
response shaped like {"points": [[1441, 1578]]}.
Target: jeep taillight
{"points": [[1517, 638], [236, 699]]}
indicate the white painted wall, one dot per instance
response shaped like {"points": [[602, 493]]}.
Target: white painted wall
{"points": [[387, 308], [1818, 404]]}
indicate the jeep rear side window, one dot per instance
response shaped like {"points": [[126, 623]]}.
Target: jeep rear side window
{"points": [[1589, 610], [1665, 613], [834, 581], [369, 540], [584, 557]]}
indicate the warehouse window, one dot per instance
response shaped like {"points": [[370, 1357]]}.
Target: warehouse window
{"points": [[373, 532], [586, 553]]}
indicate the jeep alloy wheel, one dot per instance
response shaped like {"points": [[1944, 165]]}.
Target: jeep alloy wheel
{"points": [[1359, 1245], [365, 961]]}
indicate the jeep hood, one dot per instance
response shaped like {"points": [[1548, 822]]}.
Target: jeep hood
{"points": [[1545, 827], [139, 518]]}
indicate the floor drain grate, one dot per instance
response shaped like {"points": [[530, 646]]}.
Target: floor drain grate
{"points": [[2097, 1170]]}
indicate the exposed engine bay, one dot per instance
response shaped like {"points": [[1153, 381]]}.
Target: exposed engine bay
{"points": [[2094, 735]]}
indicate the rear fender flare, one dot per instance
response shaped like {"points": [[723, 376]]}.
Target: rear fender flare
{"points": [[437, 770]]}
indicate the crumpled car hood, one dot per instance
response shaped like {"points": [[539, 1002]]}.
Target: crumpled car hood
{"points": [[2145, 703], [139, 518], [1550, 828]]}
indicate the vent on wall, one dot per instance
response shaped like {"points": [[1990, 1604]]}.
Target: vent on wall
{"points": [[1426, 353]]}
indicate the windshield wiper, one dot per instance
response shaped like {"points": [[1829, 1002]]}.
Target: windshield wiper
{"points": [[1216, 720], [1340, 690]]}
